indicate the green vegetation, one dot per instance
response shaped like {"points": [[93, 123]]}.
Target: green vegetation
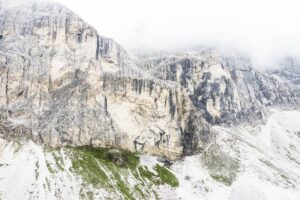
{"points": [[166, 176], [223, 179], [138, 190], [148, 175], [85, 164], [221, 166], [92, 164], [120, 158], [162, 176], [58, 160], [112, 170], [120, 181]]}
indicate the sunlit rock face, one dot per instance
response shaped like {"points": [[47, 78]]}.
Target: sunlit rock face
{"points": [[61, 83], [227, 89]]}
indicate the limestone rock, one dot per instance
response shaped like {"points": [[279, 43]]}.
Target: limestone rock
{"points": [[61, 83], [227, 89]]}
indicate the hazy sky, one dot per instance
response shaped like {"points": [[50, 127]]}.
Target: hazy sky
{"points": [[262, 28]]}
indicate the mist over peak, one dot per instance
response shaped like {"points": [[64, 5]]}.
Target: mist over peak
{"points": [[9, 4], [266, 32]]}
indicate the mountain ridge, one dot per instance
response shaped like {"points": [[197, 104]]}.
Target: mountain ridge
{"points": [[68, 68], [172, 101]]}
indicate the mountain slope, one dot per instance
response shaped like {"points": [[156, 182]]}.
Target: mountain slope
{"points": [[267, 156], [246, 162]]}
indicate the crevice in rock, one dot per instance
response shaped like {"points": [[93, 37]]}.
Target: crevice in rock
{"points": [[172, 105], [98, 47], [6, 86], [105, 105]]}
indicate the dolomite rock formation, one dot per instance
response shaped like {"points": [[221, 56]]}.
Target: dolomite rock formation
{"points": [[227, 89], [289, 71], [61, 83]]}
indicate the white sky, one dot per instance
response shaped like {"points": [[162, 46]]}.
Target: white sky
{"points": [[262, 28]]}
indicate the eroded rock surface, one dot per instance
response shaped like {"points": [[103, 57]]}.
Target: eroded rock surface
{"points": [[227, 89], [61, 83]]}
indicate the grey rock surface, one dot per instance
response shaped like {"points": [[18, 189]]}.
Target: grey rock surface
{"points": [[289, 71], [61, 83], [227, 89]]}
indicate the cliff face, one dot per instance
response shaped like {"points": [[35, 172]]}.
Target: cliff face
{"points": [[227, 89], [289, 71], [61, 83]]}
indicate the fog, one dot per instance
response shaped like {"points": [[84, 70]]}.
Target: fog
{"points": [[265, 30]]}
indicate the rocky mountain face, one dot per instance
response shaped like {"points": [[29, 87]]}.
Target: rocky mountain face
{"points": [[226, 89], [61, 83], [289, 71]]}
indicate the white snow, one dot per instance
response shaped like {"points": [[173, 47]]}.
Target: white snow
{"points": [[268, 154], [256, 179]]}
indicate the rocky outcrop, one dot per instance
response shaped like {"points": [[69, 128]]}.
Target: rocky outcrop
{"points": [[61, 83], [289, 71], [227, 89]]}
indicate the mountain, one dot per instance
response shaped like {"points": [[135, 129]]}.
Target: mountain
{"points": [[289, 71], [227, 89], [82, 119], [64, 84]]}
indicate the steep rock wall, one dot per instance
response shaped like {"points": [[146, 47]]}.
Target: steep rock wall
{"points": [[61, 83]]}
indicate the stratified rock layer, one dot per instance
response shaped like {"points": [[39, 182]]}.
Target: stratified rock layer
{"points": [[63, 84], [227, 89]]}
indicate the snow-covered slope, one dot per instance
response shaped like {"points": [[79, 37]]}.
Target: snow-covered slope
{"points": [[268, 159], [28, 171], [246, 162]]}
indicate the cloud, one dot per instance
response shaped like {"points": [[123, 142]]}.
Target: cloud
{"points": [[8, 4], [265, 30]]}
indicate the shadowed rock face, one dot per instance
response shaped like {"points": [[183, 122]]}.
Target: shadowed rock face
{"points": [[227, 89], [61, 83], [290, 71]]}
